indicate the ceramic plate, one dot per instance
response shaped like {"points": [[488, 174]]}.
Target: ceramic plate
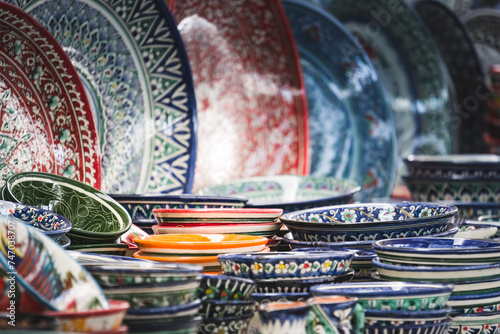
{"points": [[351, 125], [266, 229], [249, 91], [45, 118], [219, 215], [460, 56], [56, 280], [410, 67], [136, 74]]}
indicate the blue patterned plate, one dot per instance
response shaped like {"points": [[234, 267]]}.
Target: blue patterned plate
{"points": [[351, 125], [136, 73], [410, 67]]}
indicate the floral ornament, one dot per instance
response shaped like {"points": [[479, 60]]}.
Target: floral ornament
{"points": [[315, 218], [387, 214], [257, 268], [349, 216], [316, 266], [425, 212], [281, 267], [305, 267], [344, 317], [293, 267], [328, 265], [236, 268]]}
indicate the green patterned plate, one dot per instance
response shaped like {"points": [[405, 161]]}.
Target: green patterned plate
{"points": [[96, 217]]}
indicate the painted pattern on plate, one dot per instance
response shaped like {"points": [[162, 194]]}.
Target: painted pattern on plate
{"points": [[136, 74], [45, 119], [252, 111]]}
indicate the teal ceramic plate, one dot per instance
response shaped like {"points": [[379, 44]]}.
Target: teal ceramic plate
{"points": [[351, 125], [410, 67], [136, 73], [42, 267], [96, 217]]}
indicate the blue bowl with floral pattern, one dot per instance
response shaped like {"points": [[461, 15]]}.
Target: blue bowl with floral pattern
{"points": [[370, 221], [286, 265], [220, 287]]}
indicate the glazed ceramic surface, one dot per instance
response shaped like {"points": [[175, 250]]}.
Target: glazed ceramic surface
{"points": [[288, 192], [286, 265], [433, 190], [464, 66], [477, 231], [477, 302], [405, 317], [220, 287], [217, 215], [227, 325], [94, 215], [92, 321], [284, 317], [476, 323], [46, 120], [226, 308], [136, 74], [328, 314], [351, 124], [107, 249], [249, 90], [438, 251], [52, 277], [374, 221], [185, 311], [454, 166], [473, 210], [410, 67], [391, 296], [265, 229], [142, 206], [439, 328], [183, 326]]}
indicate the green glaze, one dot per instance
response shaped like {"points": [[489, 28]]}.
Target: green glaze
{"points": [[93, 214], [410, 304], [320, 322]]}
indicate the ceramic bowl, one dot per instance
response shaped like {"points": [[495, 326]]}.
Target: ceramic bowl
{"points": [[220, 287], [226, 308], [487, 301], [406, 317], [336, 312], [164, 325], [475, 323], [288, 192], [155, 296], [284, 317], [440, 274], [141, 206], [200, 244], [229, 325], [438, 251], [230, 216], [140, 273], [477, 231], [95, 217], [286, 265], [391, 296], [264, 298], [187, 310], [92, 321], [375, 221], [298, 285], [438, 328], [115, 248], [52, 225]]}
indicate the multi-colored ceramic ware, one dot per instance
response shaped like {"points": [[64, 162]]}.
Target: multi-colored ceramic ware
{"points": [[284, 317], [220, 287], [262, 229], [116, 249], [332, 314], [405, 317], [226, 308], [180, 216]]}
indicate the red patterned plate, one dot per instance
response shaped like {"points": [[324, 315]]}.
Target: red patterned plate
{"points": [[46, 123], [249, 91]]}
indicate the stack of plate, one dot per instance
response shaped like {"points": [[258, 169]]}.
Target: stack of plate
{"points": [[258, 222], [198, 249], [162, 297], [471, 265]]}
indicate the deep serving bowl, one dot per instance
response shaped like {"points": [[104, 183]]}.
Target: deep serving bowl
{"points": [[286, 265], [96, 217], [438, 251], [373, 221], [288, 192], [391, 295]]}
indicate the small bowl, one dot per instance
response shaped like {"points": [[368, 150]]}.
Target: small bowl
{"points": [[226, 308], [391, 296], [95, 217], [373, 221], [286, 265], [96, 320], [438, 251], [220, 287], [288, 192]]}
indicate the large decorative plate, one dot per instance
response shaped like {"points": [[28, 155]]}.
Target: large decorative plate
{"points": [[460, 56], [132, 62], [45, 119], [351, 126], [409, 65], [45, 270], [249, 90]]}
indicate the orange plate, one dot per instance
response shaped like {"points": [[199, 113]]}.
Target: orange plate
{"points": [[200, 241]]}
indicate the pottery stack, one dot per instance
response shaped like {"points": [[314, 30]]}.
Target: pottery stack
{"points": [[471, 265]]}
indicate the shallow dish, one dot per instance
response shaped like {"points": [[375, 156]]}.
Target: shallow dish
{"points": [[288, 192], [208, 244], [375, 221], [96, 217], [391, 295], [286, 265], [438, 251], [165, 216]]}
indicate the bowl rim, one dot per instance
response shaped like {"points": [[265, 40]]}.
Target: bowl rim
{"points": [[483, 246], [453, 160], [410, 268]]}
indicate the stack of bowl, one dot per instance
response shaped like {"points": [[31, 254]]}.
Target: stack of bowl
{"points": [[140, 207], [97, 220], [470, 182], [471, 265], [225, 303], [397, 307], [162, 297], [199, 249]]}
